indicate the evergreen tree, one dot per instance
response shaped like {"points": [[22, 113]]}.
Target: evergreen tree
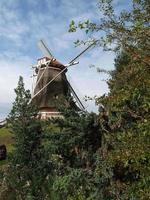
{"points": [[29, 163]]}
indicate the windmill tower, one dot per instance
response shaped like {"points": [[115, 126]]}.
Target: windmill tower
{"points": [[52, 84]]}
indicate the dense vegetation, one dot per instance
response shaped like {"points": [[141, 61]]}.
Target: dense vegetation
{"points": [[88, 156]]}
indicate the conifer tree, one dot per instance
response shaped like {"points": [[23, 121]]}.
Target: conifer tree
{"points": [[29, 163]]}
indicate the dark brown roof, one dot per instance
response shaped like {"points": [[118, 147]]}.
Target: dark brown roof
{"points": [[56, 64]]}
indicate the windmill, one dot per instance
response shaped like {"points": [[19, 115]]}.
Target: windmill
{"points": [[52, 84]]}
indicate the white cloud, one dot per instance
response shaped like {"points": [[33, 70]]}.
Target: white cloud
{"points": [[11, 27], [10, 72]]}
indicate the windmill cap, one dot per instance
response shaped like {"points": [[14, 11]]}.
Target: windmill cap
{"points": [[54, 63]]}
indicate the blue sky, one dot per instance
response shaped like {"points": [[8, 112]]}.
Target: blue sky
{"points": [[24, 22]]}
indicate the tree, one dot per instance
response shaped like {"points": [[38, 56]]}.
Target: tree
{"points": [[128, 114], [128, 30], [127, 104], [73, 141], [28, 168]]}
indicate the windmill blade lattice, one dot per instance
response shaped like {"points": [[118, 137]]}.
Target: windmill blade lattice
{"points": [[81, 106], [45, 50]]}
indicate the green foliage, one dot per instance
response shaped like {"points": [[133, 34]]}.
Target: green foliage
{"points": [[127, 106], [105, 156], [124, 117], [128, 30], [74, 146], [25, 176]]}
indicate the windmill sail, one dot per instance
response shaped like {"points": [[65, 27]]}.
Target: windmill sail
{"points": [[42, 45], [80, 104]]}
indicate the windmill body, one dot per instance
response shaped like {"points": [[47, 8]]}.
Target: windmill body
{"points": [[46, 100]]}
